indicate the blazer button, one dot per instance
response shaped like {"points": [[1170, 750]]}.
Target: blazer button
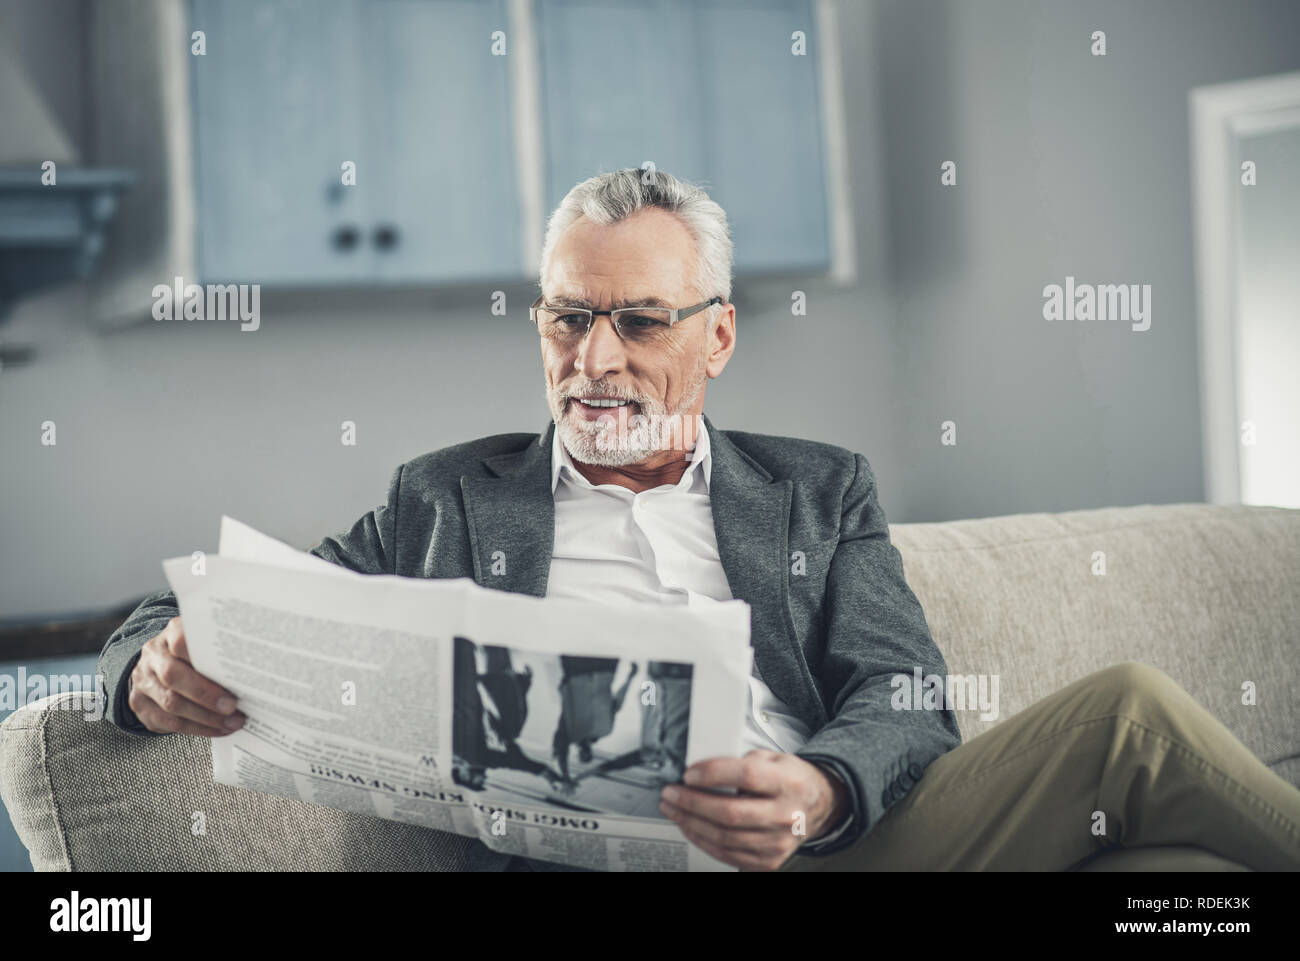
{"points": [[915, 770], [885, 798]]}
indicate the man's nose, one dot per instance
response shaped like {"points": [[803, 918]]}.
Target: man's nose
{"points": [[601, 351]]}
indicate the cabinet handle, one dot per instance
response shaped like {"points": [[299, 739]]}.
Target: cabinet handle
{"points": [[386, 237], [345, 238]]}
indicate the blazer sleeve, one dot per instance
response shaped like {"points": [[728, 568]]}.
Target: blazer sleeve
{"points": [[368, 547], [875, 632], [121, 652]]}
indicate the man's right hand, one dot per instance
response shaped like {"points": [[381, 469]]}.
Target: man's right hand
{"points": [[170, 697]]}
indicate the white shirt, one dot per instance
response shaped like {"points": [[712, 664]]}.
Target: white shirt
{"points": [[659, 547]]}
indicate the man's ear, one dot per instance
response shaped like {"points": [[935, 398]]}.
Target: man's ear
{"points": [[722, 340]]}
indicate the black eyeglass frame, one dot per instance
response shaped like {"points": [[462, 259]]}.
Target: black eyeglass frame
{"points": [[676, 314]]}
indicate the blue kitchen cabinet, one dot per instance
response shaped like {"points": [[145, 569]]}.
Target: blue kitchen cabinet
{"points": [[410, 91], [407, 90]]}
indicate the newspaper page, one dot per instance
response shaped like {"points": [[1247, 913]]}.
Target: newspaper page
{"points": [[544, 727]]}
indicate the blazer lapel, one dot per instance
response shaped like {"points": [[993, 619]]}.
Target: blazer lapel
{"points": [[751, 520], [511, 519]]}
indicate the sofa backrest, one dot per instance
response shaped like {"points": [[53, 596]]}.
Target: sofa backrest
{"points": [[1208, 594]]}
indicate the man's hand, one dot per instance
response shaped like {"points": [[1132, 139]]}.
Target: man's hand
{"points": [[170, 697], [780, 794]]}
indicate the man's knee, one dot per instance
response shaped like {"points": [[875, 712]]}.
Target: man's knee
{"points": [[1135, 680]]}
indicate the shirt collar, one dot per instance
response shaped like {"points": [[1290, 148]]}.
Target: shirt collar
{"points": [[701, 458]]}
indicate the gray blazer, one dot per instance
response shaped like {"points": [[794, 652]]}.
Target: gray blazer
{"points": [[827, 640]]}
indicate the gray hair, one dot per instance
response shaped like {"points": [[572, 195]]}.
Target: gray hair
{"points": [[611, 197]]}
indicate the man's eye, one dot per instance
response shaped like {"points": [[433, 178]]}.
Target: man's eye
{"points": [[572, 320], [643, 322]]}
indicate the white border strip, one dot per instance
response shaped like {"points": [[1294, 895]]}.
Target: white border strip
{"points": [[839, 197], [1214, 111], [1270, 121], [530, 161]]}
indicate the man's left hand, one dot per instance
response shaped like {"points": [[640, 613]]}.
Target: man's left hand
{"points": [[780, 796]]}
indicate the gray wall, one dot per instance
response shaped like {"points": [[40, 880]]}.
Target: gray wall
{"points": [[1066, 165]]}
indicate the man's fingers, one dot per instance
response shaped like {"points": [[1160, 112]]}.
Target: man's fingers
{"points": [[161, 722], [173, 636], [758, 772], [180, 676], [169, 698], [756, 840], [725, 811]]}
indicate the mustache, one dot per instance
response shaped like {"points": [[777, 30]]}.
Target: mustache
{"points": [[601, 390]]}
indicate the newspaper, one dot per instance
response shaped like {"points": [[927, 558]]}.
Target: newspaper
{"points": [[545, 727]]}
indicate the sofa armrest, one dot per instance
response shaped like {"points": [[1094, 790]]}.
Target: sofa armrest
{"points": [[25, 788], [86, 796]]}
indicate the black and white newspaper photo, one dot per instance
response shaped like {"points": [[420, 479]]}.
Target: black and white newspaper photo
{"points": [[553, 727]]}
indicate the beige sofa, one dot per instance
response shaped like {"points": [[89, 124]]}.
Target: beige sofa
{"points": [[1211, 595]]}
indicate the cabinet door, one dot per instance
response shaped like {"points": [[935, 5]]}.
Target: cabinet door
{"points": [[442, 142], [767, 153], [618, 88], [709, 90], [279, 106]]}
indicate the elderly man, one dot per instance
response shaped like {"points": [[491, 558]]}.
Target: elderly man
{"points": [[631, 493]]}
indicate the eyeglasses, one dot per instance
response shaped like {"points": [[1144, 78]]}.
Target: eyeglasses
{"points": [[637, 325]]}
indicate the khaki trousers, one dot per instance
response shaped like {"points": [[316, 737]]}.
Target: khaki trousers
{"points": [[1126, 742]]}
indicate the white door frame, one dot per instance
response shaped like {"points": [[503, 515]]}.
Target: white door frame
{"points": [[1219, 115]]}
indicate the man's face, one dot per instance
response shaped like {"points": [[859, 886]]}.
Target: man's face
{"points": [[649, 255]]}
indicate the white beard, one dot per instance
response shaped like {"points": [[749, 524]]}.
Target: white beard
{"points": [[615, 441]]}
